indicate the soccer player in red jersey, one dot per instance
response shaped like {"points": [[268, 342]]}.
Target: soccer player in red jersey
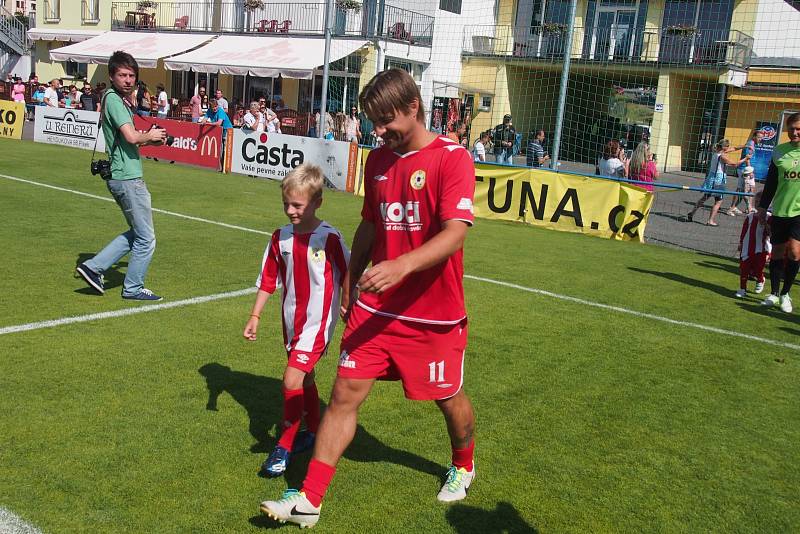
{"points": [[406, 317], [308, 259]]}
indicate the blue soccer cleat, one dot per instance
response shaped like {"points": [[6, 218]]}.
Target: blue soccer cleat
{"points": [[276, 462]]}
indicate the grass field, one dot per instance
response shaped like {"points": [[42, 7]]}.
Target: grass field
{"points": [[590, 419]]}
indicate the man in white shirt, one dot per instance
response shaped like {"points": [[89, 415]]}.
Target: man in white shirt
{"points": [[223, 103], [252, 120], [51, 96], [163, 102], [479, 149]]}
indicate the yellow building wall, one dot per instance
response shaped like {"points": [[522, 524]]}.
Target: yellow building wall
{"points": [[487, 75], [744, 16], [746, 108]]}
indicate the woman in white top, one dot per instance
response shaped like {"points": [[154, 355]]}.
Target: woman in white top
{"points": [[716, 180], [613, 162], [163, 102]]}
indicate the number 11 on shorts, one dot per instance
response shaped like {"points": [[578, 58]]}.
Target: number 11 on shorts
{"points": [[436, 370]]}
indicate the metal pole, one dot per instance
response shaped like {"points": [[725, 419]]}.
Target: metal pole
{"points": [[562, 95], [720, 107], [323, 108]]}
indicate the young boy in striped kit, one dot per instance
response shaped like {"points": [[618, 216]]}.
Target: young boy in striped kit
{"points": [[307, 259], [754, 250]]}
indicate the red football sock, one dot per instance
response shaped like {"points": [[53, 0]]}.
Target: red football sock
{"points": [[463, 457], [318, 478], [311, 405], [292, 413]]}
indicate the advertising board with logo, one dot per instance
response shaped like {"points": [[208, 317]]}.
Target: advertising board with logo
{"points": [[68, 127], [763, 155], [272, 155], [12, 117], [197, 144]]}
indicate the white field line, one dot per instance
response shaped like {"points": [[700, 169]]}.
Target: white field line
{"points": [[11, 523], [165, 212], [198, 300], [124, 312]]}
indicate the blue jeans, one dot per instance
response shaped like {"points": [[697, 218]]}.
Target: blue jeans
{"points": [[504, 158], [133, 198]]}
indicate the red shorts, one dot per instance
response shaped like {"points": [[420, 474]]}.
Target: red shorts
{"points": [[305, 361], [427, 358]]}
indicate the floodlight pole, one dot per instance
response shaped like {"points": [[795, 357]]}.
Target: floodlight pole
{"points": [[562, 94], [323, 108]]}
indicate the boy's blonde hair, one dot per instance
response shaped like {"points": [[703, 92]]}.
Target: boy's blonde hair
{"points": [[306, 178]]}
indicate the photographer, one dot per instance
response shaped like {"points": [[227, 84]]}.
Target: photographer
{"points": [[123, 175]]}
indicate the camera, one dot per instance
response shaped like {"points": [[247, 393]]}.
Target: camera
{"points": [[170, 138], [101, 167]]}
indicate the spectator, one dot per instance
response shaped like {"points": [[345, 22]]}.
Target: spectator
{"points": [[459, 130], [312, 123], [18, 90], [479, 149], [51, 96], [535, 155], [252, 122], [33, 82], [504, 137], [163, 102], [716, 180], [217, 116], [748, 151], [749, 187], [352, 126], [367, 129], [37, 99], [196, 102], [142, 100], [642, 167], [73, 97], [223, 103], [613, 162], [89, 102]]}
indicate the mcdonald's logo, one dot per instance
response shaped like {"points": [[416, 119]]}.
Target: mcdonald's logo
{"points": [[209, 146]]}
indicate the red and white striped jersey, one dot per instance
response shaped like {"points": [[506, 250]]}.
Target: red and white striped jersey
{"points": [[754, 239], [310, 269]]}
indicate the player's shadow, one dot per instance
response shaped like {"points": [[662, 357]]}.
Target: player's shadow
{"points": [[111, 278], [262, 399], [773, 312], [675, 277], [731, 267], [504, 519]]}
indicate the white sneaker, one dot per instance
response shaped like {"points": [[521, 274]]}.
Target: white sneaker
{"points": [[770, 301], [730, 212], [741, 293], [786, 303], [737, 211], [759, 287], [456, 485], [292, 507]]}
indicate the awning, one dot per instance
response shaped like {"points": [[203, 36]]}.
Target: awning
{"points": [[58, 34], [464, 88], [291, 57], [146, 47]]}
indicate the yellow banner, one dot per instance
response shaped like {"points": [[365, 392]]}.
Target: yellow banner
{"points": [[562, 201], [559, 201], [12, 117]]}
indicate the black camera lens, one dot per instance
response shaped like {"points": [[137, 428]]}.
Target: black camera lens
{"points": [[170, 140]]}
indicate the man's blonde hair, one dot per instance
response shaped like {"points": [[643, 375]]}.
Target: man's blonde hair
{"points": [[306, 178]]}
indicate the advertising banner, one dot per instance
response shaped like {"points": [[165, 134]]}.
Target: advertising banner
{"points": [[566, 202], [68, 127], [12, 117], [272, 155], [763, 155], [197, 144]]}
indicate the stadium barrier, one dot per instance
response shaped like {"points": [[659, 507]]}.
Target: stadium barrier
{"points": [[196, 144], [12, 118]]}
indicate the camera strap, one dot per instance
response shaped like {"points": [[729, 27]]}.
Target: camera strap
{"points": [[100, 130]]}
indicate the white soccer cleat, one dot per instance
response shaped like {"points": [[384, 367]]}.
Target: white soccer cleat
{"points": [[786, 303], [741, 293], [456, 485], [292, 507], [770, 301], [759, 287]]}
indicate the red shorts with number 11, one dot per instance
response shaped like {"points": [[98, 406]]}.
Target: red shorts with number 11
{"points": [[427, 358]]}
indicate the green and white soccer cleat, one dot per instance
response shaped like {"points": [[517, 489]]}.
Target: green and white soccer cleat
{"points": [[456, 484], [292, 507]]}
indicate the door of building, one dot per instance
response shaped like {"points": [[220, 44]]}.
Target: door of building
{"points": [[614, 31]]}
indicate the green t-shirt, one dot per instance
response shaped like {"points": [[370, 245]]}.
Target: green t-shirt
{"points": [[125, 162], [786, 202]]}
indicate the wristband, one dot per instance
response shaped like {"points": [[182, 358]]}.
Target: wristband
{"points": [[256, 316]]}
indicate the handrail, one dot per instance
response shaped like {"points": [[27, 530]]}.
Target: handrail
{"points": [[13, 30]]}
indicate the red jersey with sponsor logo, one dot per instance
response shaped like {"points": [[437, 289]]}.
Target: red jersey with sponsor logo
{"points": [[408, 197], [310, 268], [754, 238]]}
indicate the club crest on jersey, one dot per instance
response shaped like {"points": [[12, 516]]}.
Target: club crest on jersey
{"points": [[417, 180], [317, 254]]}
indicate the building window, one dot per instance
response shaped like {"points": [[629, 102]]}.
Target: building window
{"points": [[414, 69], [52, 10], [453, 6], [90, 10], [75, 70]]}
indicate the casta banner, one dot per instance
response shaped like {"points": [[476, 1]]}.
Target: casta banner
{"points": [[196, 144]]}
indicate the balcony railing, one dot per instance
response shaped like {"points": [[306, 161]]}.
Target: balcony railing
{"points": [[281, 18], [90, 11], [52, 10], [615, 45]]}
